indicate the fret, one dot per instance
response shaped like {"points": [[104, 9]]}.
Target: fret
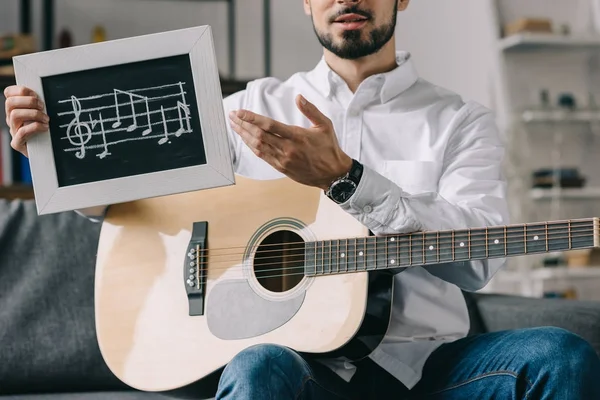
{"points": [[309, 257], [417, 244], [569, 233], [453, 256], [335, 255], [404, 248], [431, 249], [381, 251], [410, 245], [515, 245], [469, 246], [525, 238], [582, 234], [370, 253], [461, 245], [392, 252], [486, 243], [350, 255], [536, 238], [325, 259], [558, 236], [445, 247], [478, 243], [343, 255], [546, 232], [319, 259], [496, 245]]}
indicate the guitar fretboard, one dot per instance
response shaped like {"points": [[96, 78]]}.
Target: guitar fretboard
{"points": [[371, 253]]}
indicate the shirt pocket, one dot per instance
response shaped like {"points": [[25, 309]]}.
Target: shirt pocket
{"points": [[413, 176]]}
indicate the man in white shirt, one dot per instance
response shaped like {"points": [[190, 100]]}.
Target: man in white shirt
{"points": [[401, 155]]}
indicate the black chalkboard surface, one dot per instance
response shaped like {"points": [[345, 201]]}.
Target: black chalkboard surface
{"points": [[124, 120]]}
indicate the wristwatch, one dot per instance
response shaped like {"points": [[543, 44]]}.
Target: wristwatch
{"points": [[343, 188]]}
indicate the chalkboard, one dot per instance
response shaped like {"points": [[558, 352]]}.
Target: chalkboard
{"points": [[124, 120], [130, 119]]}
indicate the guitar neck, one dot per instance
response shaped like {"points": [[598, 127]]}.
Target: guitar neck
{"points": [[372, 253]]}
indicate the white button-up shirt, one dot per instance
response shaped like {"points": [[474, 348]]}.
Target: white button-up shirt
{"points": [[432, 162]]}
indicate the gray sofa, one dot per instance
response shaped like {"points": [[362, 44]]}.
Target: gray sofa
{"points": [[48, 348]]}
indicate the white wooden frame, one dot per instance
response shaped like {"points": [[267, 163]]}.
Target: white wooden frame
{"points": [[198, 43]]}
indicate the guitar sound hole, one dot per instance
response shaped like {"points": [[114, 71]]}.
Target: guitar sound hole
{"points": [[279, 261]]}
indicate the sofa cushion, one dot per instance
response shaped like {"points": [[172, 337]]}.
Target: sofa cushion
{"points": [[501, 312], [47, 332]]}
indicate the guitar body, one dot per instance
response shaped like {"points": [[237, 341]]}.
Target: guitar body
{"points": [[180, 289]]}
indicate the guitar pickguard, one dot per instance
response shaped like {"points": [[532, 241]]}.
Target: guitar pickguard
{"points": [[235, 311]]}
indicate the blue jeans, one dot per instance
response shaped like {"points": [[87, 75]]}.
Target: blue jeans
{"points": [[534, 363]]}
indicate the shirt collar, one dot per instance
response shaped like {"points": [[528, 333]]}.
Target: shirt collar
{"points": [[392, 83]]}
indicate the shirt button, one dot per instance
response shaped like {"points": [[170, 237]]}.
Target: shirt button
{"points": [[367, 209]]}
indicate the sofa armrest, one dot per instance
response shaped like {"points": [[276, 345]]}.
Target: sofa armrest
{"points": [[502, 312]]}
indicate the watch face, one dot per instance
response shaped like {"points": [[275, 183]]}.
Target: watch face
{"points": [[342, 190]]}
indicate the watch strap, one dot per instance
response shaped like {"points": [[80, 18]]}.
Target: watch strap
{"points": [[355, 172]]}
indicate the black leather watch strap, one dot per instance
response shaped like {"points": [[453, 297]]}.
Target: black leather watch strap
{"points": [[356, 172]]}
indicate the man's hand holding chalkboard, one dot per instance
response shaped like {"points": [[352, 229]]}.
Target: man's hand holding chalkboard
{"points": [[310, 156], [25, 116]]}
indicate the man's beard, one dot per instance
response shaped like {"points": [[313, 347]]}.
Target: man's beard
{"points": [[353, 47]]}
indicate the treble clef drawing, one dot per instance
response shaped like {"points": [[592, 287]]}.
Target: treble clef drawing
{"points": [[77, 138]]}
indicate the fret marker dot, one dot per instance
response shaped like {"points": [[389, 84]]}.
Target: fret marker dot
{"points": [[392, 239], [462, 244], [343, 255], [392, 261], [430, 247], [536, 237], [360, 253], [496, 241]]}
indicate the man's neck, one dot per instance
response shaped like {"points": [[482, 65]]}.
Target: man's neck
{"points": [[353, 72]]}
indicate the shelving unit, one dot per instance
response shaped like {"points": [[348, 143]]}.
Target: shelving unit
{"points": [[229, 85], [529, 42], [546, 136]]}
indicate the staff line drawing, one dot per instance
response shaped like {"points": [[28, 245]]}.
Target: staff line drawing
{"points": [[80, 132], [150, 100], [129, 116]]}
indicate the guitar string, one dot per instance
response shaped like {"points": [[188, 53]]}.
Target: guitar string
{"points": [[475, 234], [380, 247], [379, 241], [339, 272], [350, 259], [335, 250]]}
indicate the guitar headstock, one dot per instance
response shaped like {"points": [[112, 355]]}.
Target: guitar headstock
{"points": [[597, 232]]}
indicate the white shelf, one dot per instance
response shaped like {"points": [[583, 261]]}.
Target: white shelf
{"points": [[549, 41], [565, 193], [558, 115]]}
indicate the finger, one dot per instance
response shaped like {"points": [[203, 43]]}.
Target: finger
{"points": [[29, 102], [311, 112], [256, 132], [262, 148], [24, 133], [19, 116], [18, 90], [264, 123]]}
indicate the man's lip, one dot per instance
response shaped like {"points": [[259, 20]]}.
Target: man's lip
{"points": [[350, 17]]}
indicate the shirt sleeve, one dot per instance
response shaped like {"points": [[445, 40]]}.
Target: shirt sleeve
{"points": [[471, 193]]}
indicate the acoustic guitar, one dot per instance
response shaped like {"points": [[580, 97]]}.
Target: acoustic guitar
{"points": [[185, 282]]}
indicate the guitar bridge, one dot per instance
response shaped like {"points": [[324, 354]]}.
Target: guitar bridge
{"points": [[194, 268]]}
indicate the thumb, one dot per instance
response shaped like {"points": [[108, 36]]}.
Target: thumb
{"points": [[311, 111]]}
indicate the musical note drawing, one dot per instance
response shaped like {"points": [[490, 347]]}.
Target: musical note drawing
{"points": [[133, 125], [162, 109]]}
